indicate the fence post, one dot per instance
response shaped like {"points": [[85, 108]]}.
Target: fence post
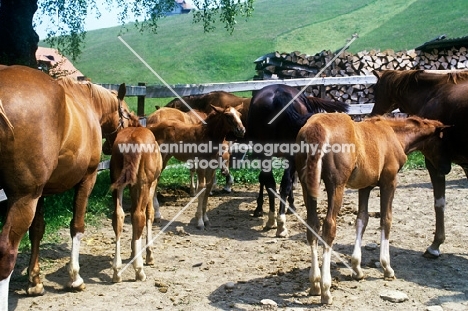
{"points": [[141, 102]]}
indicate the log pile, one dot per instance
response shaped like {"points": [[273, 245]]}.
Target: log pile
{"points": [[299, 65]]}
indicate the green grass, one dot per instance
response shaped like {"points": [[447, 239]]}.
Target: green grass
{"points": [[181, 53], [415, 161]]}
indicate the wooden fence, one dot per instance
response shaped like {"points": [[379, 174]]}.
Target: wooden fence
{"points": [[143, 91]]}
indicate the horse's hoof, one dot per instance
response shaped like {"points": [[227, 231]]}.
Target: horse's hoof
{"points": [[258, 213], [37, 290], [140, 276], [157, 218], [328, 300], [282, 233], [116, 278], [389, 274], [315, 291], [431, 254], [149, 260], [358, 275], [78, 288]]}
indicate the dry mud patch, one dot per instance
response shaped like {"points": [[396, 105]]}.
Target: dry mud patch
{"points": [[193, 267]]}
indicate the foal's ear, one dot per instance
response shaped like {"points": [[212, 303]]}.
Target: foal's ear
{"points": [[440, 130], [217, 109], [122, 91]]}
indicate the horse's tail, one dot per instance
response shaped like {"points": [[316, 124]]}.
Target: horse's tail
{"points": [[313, 163], [5, 118], [129, 172], [328, 105]]}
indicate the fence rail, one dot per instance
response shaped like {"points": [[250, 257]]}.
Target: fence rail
{"points": [[162, 91], [143, 91]]}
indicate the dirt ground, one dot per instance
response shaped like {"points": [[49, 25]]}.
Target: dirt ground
{"points": [[235, 265]]}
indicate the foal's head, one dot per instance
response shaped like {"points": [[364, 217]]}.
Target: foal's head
{"points": [[222, 121], [117, 120], [426, 136]]}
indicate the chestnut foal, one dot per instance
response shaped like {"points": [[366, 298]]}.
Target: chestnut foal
{"points": [[360, 155], [135, 162]]}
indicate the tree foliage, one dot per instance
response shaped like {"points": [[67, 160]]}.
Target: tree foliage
{"points": [[68, 17]]}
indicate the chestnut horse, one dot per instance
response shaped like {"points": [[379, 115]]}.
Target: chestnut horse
{"points": [[50, 138], [174, 133], [190, 117], [137, 163], [359, 155], [439, 95], [202, 103], [266, 104]]}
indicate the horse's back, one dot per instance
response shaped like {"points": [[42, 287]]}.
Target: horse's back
{"points": [[326, 129], [442, 97], [345, 146], [165, 113]]}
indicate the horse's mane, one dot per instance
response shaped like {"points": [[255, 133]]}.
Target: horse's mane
{"points": [[101, 94], [313, 105], [402, 80], [410, 122], [455, 77]]}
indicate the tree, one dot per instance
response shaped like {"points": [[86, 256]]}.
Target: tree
{"points": [[18, 40]]}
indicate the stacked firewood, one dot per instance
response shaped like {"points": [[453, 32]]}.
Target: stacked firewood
{"points": [[299, 65]]}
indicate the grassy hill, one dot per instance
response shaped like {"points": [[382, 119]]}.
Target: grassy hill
{"points": [[181, 53]]}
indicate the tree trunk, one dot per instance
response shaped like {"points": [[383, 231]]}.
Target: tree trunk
{"points": [[18, 40]]}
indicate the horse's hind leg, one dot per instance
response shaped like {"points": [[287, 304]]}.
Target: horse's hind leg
{"points": [[149, 224], [139, 194], [19, 217], [193, 183], [258, 212], [313, 227], [438, 184], [361, 224], [285, 192], [206, 180], [36, 232], [117, 224], [229, 182], [294, 180], [292, 207], [270, 185], [335, 193], [387, 191], [82, 192]]}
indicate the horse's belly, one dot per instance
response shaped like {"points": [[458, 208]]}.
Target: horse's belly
{"points": [[70, 171], [359, 180]]}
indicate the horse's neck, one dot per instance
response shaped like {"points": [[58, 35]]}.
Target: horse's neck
{"points": [[409, 138], [194, 133], [215, 129], [97, 99]]}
